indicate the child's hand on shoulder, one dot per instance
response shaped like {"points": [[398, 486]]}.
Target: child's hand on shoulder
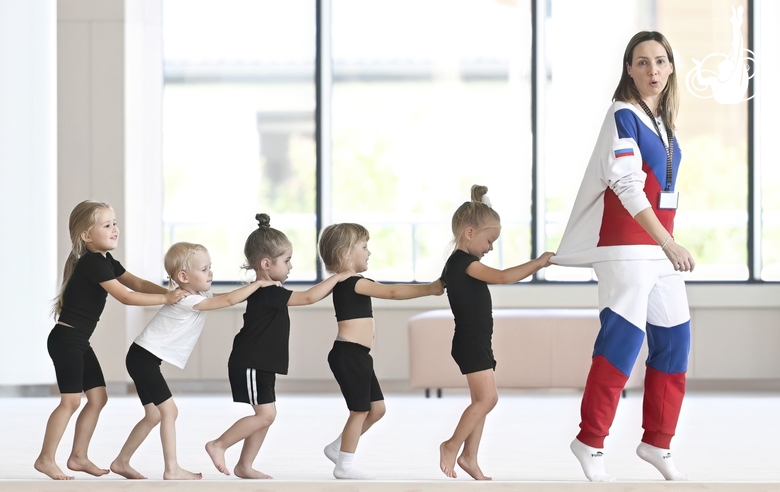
{"points": [[342, 276], [438, 287], [175, 296], [544, 259], [268, 283]]}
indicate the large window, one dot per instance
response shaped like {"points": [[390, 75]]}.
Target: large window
{"points": [[422, 106], [238, 126]]}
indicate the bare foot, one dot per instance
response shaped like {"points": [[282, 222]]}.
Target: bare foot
{"points": [[86, 466], [50, 469], [249, 472], [181, 474], [126, 470], [447, 460], [217, 456], [472, 468]]}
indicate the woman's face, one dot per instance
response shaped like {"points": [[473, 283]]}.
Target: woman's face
{"points": [[650, 69]]}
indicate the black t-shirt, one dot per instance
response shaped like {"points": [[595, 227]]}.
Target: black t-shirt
{"points": [[469, 298], [264, 341], [348, 304], [84, 298]]}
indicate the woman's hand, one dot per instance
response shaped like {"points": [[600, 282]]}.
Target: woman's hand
{"points": [[680, 257]]}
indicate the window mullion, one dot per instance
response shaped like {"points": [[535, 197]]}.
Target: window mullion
{"points": [[323, 86]]}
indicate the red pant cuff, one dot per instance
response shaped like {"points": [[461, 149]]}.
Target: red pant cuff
{"points": [[591, 440], [657, 439]]}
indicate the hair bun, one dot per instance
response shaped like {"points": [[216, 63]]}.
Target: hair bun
{"points": [[477, 192], [263, 221]]}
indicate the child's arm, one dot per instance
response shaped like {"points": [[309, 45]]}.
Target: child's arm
{"points": [[233, 297], [482, 272], [318, 292], [398, 291], [140, 285], [132, 298]]}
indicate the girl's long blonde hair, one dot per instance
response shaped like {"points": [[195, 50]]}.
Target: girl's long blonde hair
{"points": [[475, 213], [335, 243], [82, 219], [177, 259]]}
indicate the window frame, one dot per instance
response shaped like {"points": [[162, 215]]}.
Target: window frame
{"points": [[323, 74]]}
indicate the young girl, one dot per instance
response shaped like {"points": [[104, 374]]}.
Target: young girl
{"points": [[344, 248], [261, 347], [475, 226], [90, 274], [171, 336]]}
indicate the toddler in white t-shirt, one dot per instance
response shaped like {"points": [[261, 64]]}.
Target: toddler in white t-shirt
{"points": [[171, 336]]}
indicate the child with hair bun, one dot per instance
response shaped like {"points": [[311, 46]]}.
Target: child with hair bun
{"points": [[344, 249], [475, 227], [171, 336], [90, 274], [261, 349]]}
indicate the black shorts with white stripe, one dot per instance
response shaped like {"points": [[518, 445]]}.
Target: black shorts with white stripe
{"points": [[252, 386]]}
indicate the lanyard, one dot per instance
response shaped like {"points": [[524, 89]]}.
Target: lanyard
{"points": [[669, 148]]}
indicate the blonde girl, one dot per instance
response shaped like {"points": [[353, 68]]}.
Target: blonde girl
{"points": [[344, 248], [90, 274], [171, 336], [475, 227], [261, 347]]}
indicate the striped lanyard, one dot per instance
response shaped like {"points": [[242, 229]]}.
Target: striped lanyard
{"points": [[669, 148]]}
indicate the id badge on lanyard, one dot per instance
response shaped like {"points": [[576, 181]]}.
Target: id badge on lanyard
{"points": [[668, 200]]}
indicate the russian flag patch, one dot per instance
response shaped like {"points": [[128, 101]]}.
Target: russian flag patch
{"points": [[624, 152]]}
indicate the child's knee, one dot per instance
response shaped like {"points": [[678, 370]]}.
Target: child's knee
{"points": [[97, 399], [493, 400], [168, 410], [152, 418], [265, 416], [377, 411], [70, 403], [262, 421], [488, 402]]}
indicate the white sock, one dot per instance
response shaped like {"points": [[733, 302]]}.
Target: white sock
{"points": [[332, 450], [591, 460], [344, 468], [661, 459]]}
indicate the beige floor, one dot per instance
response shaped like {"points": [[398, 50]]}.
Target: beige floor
{"points": [[726, 441]]}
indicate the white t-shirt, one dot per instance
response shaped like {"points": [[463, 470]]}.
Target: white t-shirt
{"points": [[173, 332]]}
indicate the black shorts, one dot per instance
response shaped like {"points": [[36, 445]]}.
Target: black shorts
{"points": [[353, 367], [144, 367], [252, 386], [75, 363], [472, 356]]}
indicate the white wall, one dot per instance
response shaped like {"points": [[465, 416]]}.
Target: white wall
{"points": [[110, 100], [28, 191]]}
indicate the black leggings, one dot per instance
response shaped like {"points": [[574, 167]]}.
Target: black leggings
{"points": [[75, 363], [353, 367], [144, 367]]}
